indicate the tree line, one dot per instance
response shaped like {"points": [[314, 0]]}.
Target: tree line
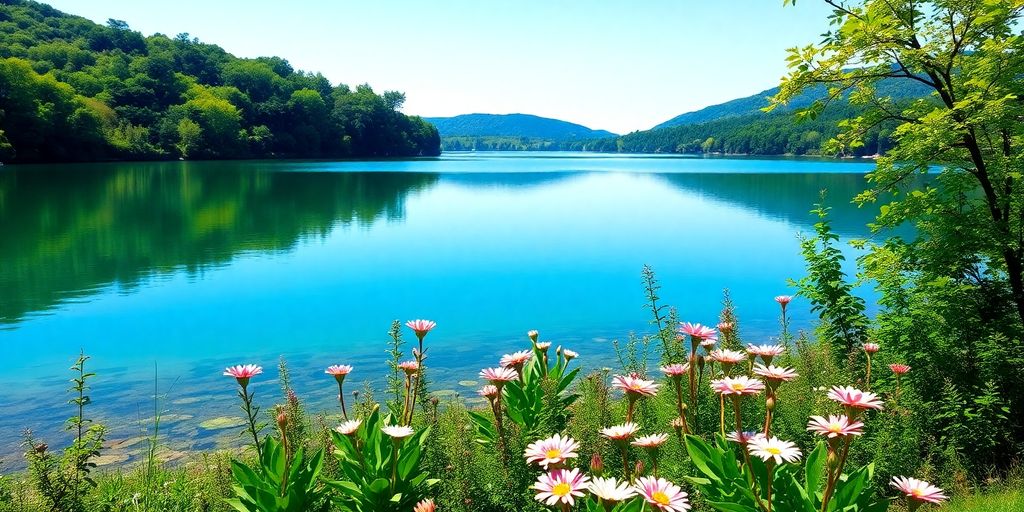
{"points": [[74, 90]]}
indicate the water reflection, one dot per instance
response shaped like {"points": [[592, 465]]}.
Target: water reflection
{"points": [[70, 229]]}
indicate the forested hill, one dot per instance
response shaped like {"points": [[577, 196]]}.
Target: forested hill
{"points": [[71, 89], [897, 89], [510, 132], [513, 125], [740, 127]]}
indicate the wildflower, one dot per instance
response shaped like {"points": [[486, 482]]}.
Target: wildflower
{"points": [[775, 374], [871, 348], [650, 441], [553, 450], [349, 427], [767, 352], [488, 391], [662, 495], [421, 327], [409, 367], [515, 359], [835, 426], [853, 398], [544, 346], [397, 432], [676, 370], [725, 356], [743, 437], [561, 485], [242, 373], [783, 300], [339, 371], [708, 343], [741, 385], [773, 448], [621, 432], [570, 354], [725, 327], [698, 331], [610, 491], [533, 334], [499, 376], [918, 490], [634, 385], [899, 369], [426, 505]]}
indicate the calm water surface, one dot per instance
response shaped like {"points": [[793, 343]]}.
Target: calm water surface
{"points": [[187, 267]]}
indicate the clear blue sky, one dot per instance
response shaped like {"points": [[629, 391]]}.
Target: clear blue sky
{"points": [[615, 65]]}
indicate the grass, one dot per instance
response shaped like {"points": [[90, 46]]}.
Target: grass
{"points": [[1002, 500]]}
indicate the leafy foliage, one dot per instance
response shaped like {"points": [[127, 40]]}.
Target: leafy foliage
{"points": [[282, 483], [75, 90]]}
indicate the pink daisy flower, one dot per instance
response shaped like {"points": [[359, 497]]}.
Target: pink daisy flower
{"points": [[561, 486], [650, 441], [516, 359], [339, 371], [533, 334], [773, 449], [662, 495], [853, 398], [426, 505], [421, 327], [918, 490], [570, 354], [725, 356], [708, 343], [775, 374], [499, 376], [741, 385], [899, 369], [783, 300], [633, 384], [765, 351], [242, 373], [871, 348], [725, 327], [676, 370], [409, 367], [835, 426], [553, 450], [544, 345], [698, 331], [488, 391], [621, 432]]}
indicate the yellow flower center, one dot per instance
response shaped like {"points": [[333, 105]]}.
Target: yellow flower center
{"points": [[835, 428], [553, 453], [773, 450], [917, 492], [561, 489], [738, 386], [660, 498]]}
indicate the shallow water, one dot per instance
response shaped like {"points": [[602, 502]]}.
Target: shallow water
{"points": [[187, 267]]}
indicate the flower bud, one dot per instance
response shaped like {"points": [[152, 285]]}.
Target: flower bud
{"points": [[638, 471], [533, 335], [282, 420], [596, 464]]}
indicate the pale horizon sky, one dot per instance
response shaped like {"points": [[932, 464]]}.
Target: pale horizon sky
{"points": [[605, 64]]}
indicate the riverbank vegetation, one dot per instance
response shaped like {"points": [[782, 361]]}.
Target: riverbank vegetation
{"points": [[72, 90]]}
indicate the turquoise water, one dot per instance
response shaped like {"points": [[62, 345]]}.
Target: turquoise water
{"points": [[191, 266]]}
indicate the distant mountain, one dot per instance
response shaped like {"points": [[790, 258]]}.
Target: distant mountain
{"points": [[514, 125], [898, 89]]}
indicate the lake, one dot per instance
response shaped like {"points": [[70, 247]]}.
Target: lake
{"points": [[167, 272]]}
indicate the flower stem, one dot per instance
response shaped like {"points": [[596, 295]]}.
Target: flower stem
{"points": [[679, 404], [771, 468], [833, 478], [624, 446], [341, 398], [250, 414], [868, 378]]}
